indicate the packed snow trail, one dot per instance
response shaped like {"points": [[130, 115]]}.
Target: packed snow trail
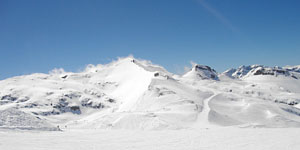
{"points": [[203, 116]]}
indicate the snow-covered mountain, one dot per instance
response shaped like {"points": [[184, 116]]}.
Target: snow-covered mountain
{"points": [[199, 72], [135, 94], [247, 71]]}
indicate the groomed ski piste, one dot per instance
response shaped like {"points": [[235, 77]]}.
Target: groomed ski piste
{"points": [[134, 104]]}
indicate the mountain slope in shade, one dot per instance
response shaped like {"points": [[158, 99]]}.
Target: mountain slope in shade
{"points": [[136, 94]]}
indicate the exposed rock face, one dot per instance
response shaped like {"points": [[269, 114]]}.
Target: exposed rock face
{"points": [[63, 106], [293, 68], [209, 73], [269, 71]]}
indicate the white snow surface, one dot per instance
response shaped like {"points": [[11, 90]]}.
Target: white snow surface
{"points": [[226, 138], [135, 94]]}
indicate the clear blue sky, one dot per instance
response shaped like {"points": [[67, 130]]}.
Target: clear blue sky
{"points": [[39, 35]]}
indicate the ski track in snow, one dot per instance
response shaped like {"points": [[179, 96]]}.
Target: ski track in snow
{"points": [[203, 117]]}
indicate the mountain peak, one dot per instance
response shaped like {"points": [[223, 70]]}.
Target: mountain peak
{"points": [[202, 72]]}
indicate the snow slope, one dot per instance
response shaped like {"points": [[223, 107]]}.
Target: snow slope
{"points": [[135, 94]]}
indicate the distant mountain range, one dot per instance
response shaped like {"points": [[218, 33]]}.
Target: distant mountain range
{"points": [[135, 94]]}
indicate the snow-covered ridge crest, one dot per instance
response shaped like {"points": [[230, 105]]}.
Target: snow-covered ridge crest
{"points": [[145, 64]]}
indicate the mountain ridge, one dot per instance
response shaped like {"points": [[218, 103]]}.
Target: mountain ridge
{"points": [[135, 94]]}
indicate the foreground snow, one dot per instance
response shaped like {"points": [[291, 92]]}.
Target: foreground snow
{"points": [[203, 139]]}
